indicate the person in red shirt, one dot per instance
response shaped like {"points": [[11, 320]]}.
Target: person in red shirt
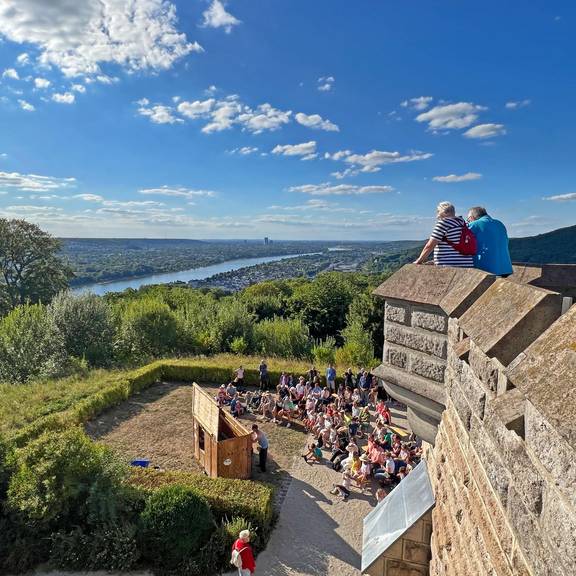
{"points": [[243, 546]]}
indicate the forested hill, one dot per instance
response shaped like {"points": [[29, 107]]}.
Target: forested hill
{"points": [[556, 247]]}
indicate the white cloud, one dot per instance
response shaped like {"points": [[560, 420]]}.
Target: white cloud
{"points": [[217, 17], [197, 108], [451, 116], [307, 150], [483, 131], [80, 88], [316, 122], [23, 59], [89, 197], [458, 178], [372, 161], [515, 104], [327, 189], [64, 98], [326, 83], [264, 117], [33, 182], [245, 150], [158, 114], [3, 155], [180, 192], [224, 115], [11, 73], [562, 197], [420, 103], [41, 83], [78, 37], [26, 106]]}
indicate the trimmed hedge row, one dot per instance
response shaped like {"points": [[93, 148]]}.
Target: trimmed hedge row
{"points": [[227, 498], [201, 370]]}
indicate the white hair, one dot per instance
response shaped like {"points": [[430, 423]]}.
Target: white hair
{"points": [[446, 209], [244, 535]]}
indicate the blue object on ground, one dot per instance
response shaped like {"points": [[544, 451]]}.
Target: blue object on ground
{"points": [[141, 463]]}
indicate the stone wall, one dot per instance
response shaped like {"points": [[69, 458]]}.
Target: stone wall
{"points": [[503, 464]]}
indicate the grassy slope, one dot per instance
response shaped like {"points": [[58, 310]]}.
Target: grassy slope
{"points": [[556, 247]]}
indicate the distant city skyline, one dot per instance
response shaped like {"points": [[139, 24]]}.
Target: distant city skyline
{"points": [[324, 120]]}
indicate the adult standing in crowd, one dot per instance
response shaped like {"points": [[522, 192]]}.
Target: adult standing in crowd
{"points": [[493, 254], [259, 437], [444, 237], [243, 548], [331, 377], [239, 372], [263, 374]]}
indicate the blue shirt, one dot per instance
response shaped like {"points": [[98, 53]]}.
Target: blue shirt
{"points": [[262, 440], [493, 255], [331, 374]]}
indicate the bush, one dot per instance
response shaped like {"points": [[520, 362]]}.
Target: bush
{"points": [[324, 351], [30, 345], [110, 547], [358, 349], [281, 337], [175, 524], [54, 476], [239, 345], [233, 320], [86, 325]]}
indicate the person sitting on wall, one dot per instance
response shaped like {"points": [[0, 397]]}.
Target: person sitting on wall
{"points": [[444, 239], [493, 254]]}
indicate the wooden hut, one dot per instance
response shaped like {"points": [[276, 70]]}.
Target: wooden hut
{"points": [[222, 445]]}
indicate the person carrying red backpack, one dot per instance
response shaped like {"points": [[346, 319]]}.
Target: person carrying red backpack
{"points": [[242, 555], [452, 242]]}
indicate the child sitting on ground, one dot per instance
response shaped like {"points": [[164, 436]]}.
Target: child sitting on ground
{"points": [[314, 453], [343, 489]]}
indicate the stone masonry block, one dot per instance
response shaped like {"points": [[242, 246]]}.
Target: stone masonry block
{"points": [[552, 451], [402, 568], [395, 356], [453, 330], [559, 524], [473, 390], [416, 340], [483, 367], [434, 322], [416, 552], [426, 367], [397, 313], [461, 405]]}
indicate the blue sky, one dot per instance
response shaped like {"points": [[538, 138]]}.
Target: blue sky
{"points": [[303, 119]]}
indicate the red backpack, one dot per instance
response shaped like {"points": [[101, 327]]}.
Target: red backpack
{"points": [[467, 245]]}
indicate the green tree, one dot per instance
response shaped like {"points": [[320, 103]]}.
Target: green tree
{"points": [[283, 337], [323, 304], [233, 320], [30, 268], [86, 325], [358, 349], [31, 345]]}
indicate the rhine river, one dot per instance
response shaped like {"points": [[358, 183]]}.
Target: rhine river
{"points": [[184, 276]]}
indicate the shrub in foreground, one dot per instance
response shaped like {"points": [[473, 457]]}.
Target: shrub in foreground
{"points": [[175, 524]]}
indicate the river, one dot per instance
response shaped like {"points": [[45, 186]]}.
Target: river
{"points": [[184, 276]]}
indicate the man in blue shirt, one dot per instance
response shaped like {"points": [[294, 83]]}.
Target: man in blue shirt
{"points": [[331, 378], [493, 254]]}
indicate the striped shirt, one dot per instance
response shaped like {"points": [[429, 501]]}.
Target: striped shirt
{"points": [[444, 254]]}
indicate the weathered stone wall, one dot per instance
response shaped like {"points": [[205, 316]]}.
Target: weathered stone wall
{"points": [[501, 358]]}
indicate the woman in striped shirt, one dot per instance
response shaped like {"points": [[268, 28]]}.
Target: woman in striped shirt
{"points": [[448, 227]]}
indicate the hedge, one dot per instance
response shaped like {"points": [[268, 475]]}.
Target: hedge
{"points": [[227, 498], [201, 370]]}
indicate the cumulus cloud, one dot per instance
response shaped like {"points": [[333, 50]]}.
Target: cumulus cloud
{"points": [[326, 83], [451, 116], [264, 117], [41, 83], [515, 104], [306, 150], [25, 105], [158, 114], [179, 192], [483, 131], [217, 17], [196, 109], [316, 122], [328, 189], [79, 37], [458, 178], [80, 88], [420, 103], [562, 197], [64, 98], [245, 150], [33, 182], [11, 73], [89, 197]]}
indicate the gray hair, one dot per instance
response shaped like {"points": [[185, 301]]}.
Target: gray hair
{"points": [[244, 535], [446, 209], [477, 212]]}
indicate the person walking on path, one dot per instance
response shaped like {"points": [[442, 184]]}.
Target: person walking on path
{"points": [[493, 254], [260, 437], [243, 549], [263, 373], [444, 239]]}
